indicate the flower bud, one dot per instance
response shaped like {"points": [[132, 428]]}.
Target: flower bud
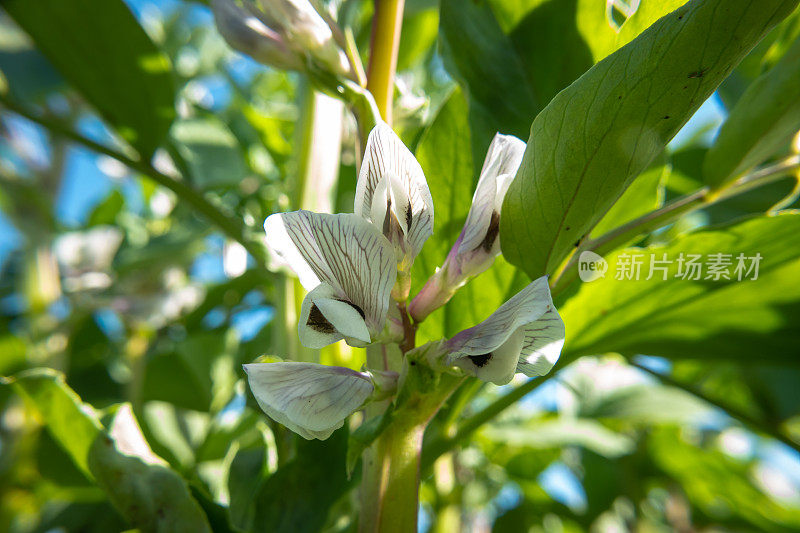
{"points": [[247, 33], [307, 32]]}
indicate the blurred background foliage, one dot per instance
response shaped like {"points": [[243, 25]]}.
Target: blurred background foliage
{"points": [[144, 309]]}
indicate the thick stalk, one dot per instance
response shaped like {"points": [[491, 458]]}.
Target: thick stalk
{"points": [[397, 460], [386, 26], [391, 500]]}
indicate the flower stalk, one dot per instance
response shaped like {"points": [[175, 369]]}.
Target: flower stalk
{"points": [[384, 46]]}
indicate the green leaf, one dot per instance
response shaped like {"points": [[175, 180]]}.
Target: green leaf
{"points": [[211, 152], [248, 470], [482, 58], [100, 48], [72, 423], [560, 432], [204, 364], [603, 39], [748, 320], [298, 496], [761, 123], [645, 194], [139, 483], [597, 135], [106, 212]]}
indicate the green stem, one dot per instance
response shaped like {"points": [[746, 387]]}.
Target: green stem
{"points": [[386, 26], [733, 412], [391, 499], [229, 225], [667, 214]]}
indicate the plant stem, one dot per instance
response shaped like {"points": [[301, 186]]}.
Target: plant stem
{"points": [[391, 500], [386, 26], [668, 213], [733, 412], [229, 225]]}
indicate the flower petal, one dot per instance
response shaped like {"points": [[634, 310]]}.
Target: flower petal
{"points": [[499, 168], [310, 399], [542, 345], [497, 366], [324, 319], [492, 348], [281, 244], [386, 157], [344, 251]]}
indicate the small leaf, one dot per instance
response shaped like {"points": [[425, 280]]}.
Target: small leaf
{"points": [[601, 132]]}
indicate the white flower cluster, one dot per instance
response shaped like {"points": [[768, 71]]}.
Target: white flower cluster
{"points": [[357, 266]]}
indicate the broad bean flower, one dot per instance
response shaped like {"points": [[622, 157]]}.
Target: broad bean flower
{"points": [[479, 242], [357, 267]]}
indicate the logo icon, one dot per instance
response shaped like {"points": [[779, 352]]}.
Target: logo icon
{"points": [[591, 266]]}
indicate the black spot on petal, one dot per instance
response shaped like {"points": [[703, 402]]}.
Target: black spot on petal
{"points": [[480, 360], [318, 322], [491, 233], [354, 306], [409, 216]]}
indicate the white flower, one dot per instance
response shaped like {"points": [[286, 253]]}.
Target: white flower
{"points": [[392, 194], [347, 266], [524, 335], [312, 400], [479, 242]]}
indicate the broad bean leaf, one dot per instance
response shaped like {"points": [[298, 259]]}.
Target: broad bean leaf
{"points": [[297, 497], [248, 470], [646, 404], [139, 484], [481, 56], [211, 152], [601, 132], [603, 39], [761, 123], [645, 194], [205, 364], [100, 48], [746, 321]]}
